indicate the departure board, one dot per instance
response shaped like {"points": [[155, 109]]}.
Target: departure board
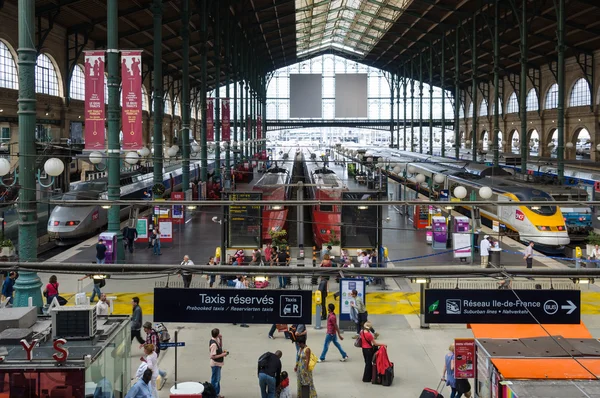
{"points": [[245, 222], [360, 223]]}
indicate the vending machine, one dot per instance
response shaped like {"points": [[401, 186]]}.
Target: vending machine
{"points": [[440, 232]]}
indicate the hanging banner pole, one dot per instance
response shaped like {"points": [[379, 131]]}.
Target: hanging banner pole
{"points": [[210, 119], [94, 100], [131, 92], [225, 122]]}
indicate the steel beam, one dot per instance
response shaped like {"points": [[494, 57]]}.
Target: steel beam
{"points": [[203, 85], [185, 93], [523, 92], [217, 100], [560, 80], [495, 135], [159, 108], [457, 103], [474, 135]]}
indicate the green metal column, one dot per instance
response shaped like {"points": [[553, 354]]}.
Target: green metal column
{"points": [[157, 158], [457, 105], [443, 86], [247, 122], [392, 87], [185, 93], [474, 135], [227, 93], [496, 88], [412, 106], [28, 284], [234, 105], [421, 102], [203, 66], [523, 90], [560, 120], [114, 125], [264, 114], [405, 86], [217, 51], [431, 99]]}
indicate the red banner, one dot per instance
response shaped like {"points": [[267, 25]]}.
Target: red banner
{"points": [[131, 111], [225, 122], [464, 358], [94, 100], [258, 127], [210, 119]]}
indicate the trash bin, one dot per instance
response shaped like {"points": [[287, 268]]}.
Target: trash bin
{"points": [[494, 259]]}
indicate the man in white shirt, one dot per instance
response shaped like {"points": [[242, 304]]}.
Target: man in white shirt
{"points": [[102, 305], [484, 250]]}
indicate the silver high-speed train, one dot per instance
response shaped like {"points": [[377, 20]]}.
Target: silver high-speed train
{"points": [[68, 224]]}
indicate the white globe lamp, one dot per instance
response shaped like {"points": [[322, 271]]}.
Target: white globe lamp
{"points": [[144, 152], [412, 169], [132, 158], [54, 167], [420, 178], [569, 145], [171, 152], [397, 169], [96, 157], [485, 192], [4, 167], [460, 192], [439, 178]]}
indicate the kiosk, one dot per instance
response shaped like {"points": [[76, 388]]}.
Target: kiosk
{"points": [[440, 233], [110, 241]]}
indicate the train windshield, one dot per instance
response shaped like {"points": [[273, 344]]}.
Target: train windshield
{"points": [[541, 209], [85, 191]]}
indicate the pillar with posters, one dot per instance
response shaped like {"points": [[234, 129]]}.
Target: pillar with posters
{"points": [[94, 100], [131, 75], [225, 122], [210, 121]]}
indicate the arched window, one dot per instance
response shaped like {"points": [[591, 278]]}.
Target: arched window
{"points": [[77, 85], [483, 108], [470, 111], [8, 69], [46, 81], [461, 111], [177, 107], [580, 95], [531, 101], [500, 110], [513, 104], [167, 108], [145, 106], [552, 97]]}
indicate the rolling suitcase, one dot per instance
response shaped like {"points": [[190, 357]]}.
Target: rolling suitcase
{"points": [[430, 393], [388, 376]]}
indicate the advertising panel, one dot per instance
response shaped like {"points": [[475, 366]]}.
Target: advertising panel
{"points": [[210, 121], [225, 120], [464, 358], [94, 100], [131, 92]]}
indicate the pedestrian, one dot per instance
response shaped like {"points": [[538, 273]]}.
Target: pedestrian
{"points": [[323, 285], [217, 359], [283, 389], [100, 252], [333, 332], [136, 320], [282, 261], [151, 360], [104, 388], [8, 287], [369, 348], [463, 387], [213, 277], [269, 373], [98, 283], [594, 256], [484, 250], [326, 250], [156, 242], [296, 331], [102, 306], [304, 376], [241, 283], [361, 310], [141, 389], [528, 255], [153, 338], [51, 289], [448, 372], [151, 239], [130, 235], [186, 274]]}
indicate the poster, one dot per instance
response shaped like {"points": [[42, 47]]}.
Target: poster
{"points": [[461, 244], [210, 121], [141, 226], [177, 209], [464, 358], [131, 92], [165, 226], [496, 226], [258, 127], [94, 100], [225, 121], [346, 287]]}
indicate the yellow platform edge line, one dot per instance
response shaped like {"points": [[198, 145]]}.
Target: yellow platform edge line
{"points": [[378, 303]]}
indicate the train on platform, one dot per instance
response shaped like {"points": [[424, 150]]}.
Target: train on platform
{"points": [[543, 224], [69, 224], [275, 184], [324, 185]]}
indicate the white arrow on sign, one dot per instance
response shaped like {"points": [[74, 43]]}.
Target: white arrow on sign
{"points": [[571, 307]]}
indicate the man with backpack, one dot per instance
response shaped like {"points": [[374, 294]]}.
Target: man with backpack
{"points": [[269, 373], [153, 338]]}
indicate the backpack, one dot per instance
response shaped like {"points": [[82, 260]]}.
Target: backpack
{"points": [[209, 390]]}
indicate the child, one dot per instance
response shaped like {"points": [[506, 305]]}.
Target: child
{"points": [[283, 390]]}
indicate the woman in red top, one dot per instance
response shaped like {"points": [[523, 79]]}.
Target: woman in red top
{"points": [[51, 289], [368, 348], [326, 262]]}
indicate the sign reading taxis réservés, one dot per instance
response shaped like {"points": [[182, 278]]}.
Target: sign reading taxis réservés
{"points": [[502, 306]]}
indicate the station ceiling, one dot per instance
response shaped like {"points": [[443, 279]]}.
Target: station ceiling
{"points": [[381, 33]]}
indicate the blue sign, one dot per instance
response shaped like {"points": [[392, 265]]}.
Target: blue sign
{"points": [[444, 194], [178, 344]]}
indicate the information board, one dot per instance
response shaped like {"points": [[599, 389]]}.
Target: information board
{"points": [[346, 287], [502, 306], [244, 222], [263, 306], [464, 358]]}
